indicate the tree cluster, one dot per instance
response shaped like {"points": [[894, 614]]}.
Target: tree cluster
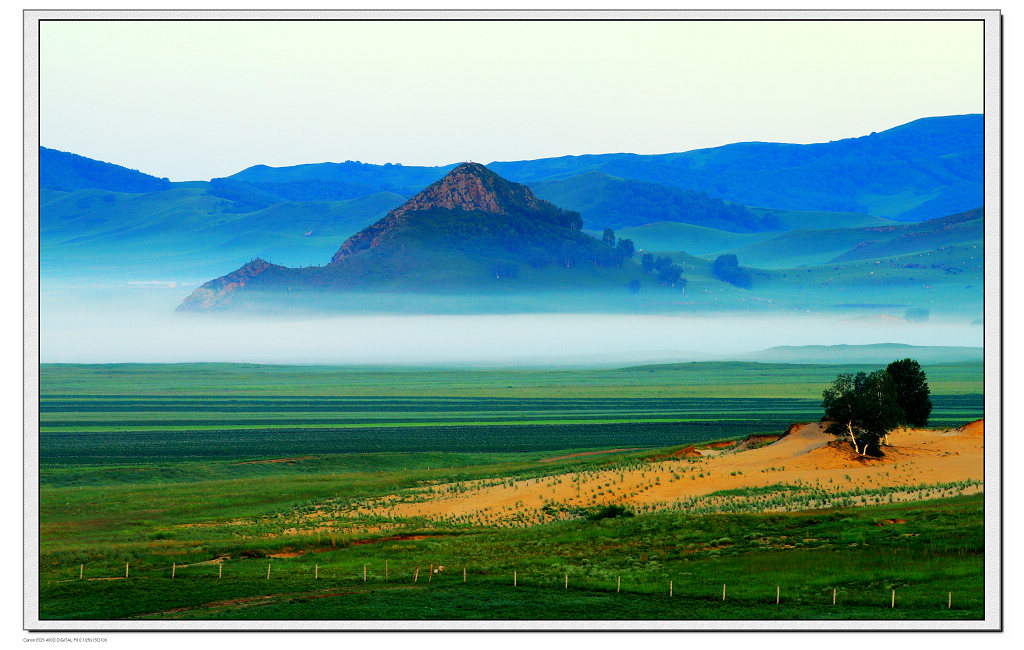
{"points": [[727, 269], [866, 407]]}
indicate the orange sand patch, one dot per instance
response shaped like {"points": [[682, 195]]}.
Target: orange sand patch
{"points": [[216, 560], [806, 456], [287, 554]]}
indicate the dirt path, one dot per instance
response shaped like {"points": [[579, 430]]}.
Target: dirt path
{"points": [[587, 453]]}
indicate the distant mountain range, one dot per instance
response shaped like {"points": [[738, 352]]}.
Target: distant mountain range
{"points": [[881, 353], [907, 198]]}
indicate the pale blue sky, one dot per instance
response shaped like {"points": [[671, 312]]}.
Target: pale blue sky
{"points": [[195, 100]]}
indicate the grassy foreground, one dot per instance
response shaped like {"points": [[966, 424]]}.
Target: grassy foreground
{"points": [[206, 469]]}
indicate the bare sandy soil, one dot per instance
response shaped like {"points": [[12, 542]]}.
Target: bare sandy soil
{"points": [[811, 468]]}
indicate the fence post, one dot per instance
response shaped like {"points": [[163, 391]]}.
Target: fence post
{"points": [[430, 576], [316, 571], [669, 588], [723, 592], [220, 569], [174, 567], [81, 571], [268, 570], [618, 584], [364, 573], [515, 578], [566, 580], [776, 594], [126, 570], [463, 574], [416, 575], [833, 595], [949, 604], [893, 599]]}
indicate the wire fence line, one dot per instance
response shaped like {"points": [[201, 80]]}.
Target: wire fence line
{"points": [[428, 574]]}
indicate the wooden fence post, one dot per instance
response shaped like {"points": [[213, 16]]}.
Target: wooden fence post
{"points": [[515, 578], [463, 574], [833, 595], [174, 567], [566, 580], [81, 571], [669, 588], [776, 594], [268, 570], [316, 571], [430, 576], [416, 575], [949, 604], [364, 573], [893, 599], [220, 569], [618, 584], [126, 570], [723, 592]]}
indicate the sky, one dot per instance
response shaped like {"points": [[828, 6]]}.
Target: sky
{"points": [[193, 100]]}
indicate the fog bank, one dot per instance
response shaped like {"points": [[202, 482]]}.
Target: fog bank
{"points": [[141, 326]]}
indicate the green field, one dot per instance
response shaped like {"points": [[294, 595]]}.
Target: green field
{"points": [[154, 465]]}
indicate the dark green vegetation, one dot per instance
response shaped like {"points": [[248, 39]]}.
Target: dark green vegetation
{"points": [[118, 414]]}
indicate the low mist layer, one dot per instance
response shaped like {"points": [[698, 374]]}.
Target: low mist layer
{"points": [[84, 325]]}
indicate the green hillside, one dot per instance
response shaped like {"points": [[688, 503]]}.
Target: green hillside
{"points": [[697, 240], [186, 230], [61, 170], [815, 247], [920, 170], [608, 202]]}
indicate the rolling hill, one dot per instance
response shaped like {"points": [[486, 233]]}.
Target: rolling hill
{"points": [[60, 170], [924, 169], [608, 202], [469, 231], [818, 247]]}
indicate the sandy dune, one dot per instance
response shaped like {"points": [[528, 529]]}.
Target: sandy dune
{"points": [[806, 460]]}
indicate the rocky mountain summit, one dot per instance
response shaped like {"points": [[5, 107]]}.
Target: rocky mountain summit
{"points": [[462, 233]]}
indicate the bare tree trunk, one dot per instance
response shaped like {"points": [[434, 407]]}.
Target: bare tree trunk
{"points": [[853, 439]]}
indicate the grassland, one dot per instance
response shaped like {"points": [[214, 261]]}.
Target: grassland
{"points": [[223, 469]]}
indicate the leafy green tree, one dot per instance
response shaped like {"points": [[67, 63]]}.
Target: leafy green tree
{"points": [[863, 407], [670, 275], [912, 392], [647, 262], [608, 237], [661, 263], [727, 269], [625, 250]]}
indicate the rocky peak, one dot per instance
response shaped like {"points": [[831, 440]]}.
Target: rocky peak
{"points": [[212, 294], [470, 187]]}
